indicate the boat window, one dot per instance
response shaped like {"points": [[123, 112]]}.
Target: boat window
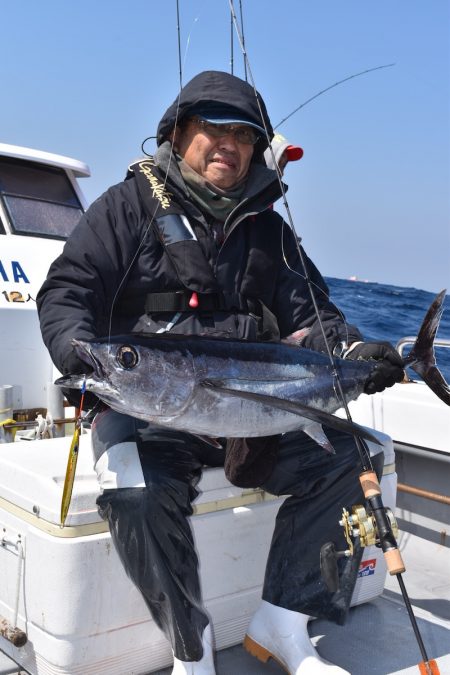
{"points": [[39, 200]]}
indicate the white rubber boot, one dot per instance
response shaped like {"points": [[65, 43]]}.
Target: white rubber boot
{"points": [[281, 634], [203, 667]]}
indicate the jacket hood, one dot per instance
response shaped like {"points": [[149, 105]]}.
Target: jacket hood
{"points": [[214, 87]]}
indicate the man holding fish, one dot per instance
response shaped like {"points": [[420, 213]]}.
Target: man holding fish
{"points": [[187, 245]]}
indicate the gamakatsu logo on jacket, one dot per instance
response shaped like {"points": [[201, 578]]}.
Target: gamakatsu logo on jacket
{"points": [[158, 189]]}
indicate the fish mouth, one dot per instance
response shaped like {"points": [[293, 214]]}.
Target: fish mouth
{"points": [[95, 378], [84, 351]]}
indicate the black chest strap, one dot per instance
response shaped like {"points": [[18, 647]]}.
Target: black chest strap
{"points": [[133, 303]]}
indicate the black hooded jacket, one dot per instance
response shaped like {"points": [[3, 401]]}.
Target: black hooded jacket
{"points": [[116, 263]]}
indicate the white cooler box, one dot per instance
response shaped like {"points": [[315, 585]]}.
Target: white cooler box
{"points": [[66, 589]]}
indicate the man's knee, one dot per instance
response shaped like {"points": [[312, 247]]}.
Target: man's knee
{"points": [[120, 467]]}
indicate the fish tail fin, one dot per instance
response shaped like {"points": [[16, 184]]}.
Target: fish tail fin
{"points": [[422, 358]]}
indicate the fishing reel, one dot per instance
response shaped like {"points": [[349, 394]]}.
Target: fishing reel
{"points": [[364, 526], [359, 526]]}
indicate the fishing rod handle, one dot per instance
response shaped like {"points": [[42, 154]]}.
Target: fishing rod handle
{"points": [[369, 484], [372, 492], [394, 562]]}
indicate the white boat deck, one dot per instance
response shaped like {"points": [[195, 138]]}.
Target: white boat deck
{"points": [[378, 638]]}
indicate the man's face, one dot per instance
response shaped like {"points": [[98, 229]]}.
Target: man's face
{"points": [[222, 161]]}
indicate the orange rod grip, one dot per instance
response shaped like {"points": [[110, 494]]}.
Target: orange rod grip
{"points": [[433, 668], [394, 561], [369, 483]]}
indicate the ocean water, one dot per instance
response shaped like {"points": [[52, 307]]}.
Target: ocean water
{"points": [[384, 312]]}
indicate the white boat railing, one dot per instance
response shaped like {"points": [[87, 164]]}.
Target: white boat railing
{"points": [[410, 340]]}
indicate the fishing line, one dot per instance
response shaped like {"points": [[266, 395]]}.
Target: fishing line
{"points": [[319, 93], [171, 155], [297, 238], [73, 452], [361, 446], [322, 91], [335, 84], [146, 231], [362, 450], [368, 478], [150, 223]]}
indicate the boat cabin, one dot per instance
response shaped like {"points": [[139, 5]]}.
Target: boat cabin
{"points": [[40, 204]]}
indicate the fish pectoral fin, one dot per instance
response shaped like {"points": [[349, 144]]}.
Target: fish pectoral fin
{"points": [[247, 384], [318, 435], [319, 416]]}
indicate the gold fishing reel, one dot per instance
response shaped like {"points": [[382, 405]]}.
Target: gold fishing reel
{"points": [[363, 525]]}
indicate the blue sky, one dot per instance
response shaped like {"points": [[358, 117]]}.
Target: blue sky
{"points": [[370, 198]]}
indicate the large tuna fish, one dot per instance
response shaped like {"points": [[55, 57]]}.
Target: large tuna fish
{"points": [[225, 388]]}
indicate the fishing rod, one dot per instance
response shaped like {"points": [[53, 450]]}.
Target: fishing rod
{"points": [[243, 39], [322, 91], [368, 479], [231, 45], [232, 40], [179, 45]]}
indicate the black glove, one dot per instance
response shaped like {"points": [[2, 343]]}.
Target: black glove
{"points": [[387, 371], [73, 365]]}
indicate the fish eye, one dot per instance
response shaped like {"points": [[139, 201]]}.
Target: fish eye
{"points": [[127, 357]]}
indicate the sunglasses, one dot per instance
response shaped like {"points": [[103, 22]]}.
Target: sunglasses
{"points": [[243, 134]]}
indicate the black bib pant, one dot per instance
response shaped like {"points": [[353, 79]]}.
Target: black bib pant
{"points": [[147, 509]]}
